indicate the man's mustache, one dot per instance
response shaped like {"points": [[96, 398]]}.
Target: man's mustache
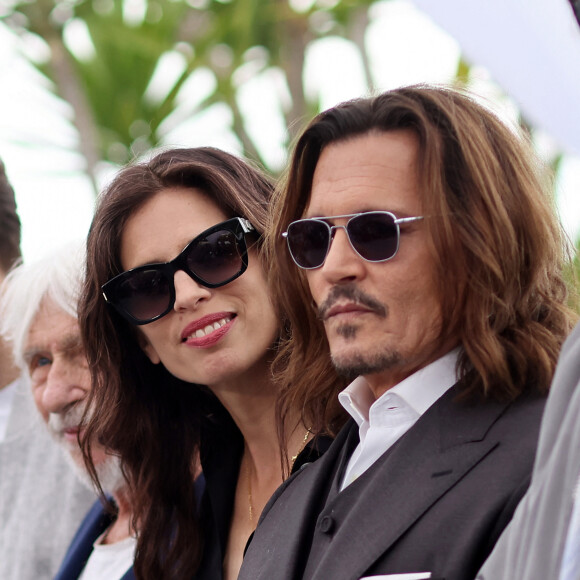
{"points": [[58, 422], [354, 294]]}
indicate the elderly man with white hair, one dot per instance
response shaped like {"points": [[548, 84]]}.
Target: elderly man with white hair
{"points": [[38, 317]]}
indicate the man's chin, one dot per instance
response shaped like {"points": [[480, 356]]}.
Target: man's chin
{"points": [[108, 470], [75, 460], [350, 364]]}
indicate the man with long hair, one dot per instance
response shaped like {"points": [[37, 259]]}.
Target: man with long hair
{"points": [[41, 500], [416, 246], [38, 316]]}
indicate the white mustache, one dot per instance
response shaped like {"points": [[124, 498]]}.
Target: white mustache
{"points": [[59, 422]]}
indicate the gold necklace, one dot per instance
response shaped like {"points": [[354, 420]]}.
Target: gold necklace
{"points": [[250, 505], [302, 446], [249, 481]]}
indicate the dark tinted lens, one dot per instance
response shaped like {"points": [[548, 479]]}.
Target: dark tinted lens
{"points": [[216, 258], [308, 242], [144, 294], [374, 235]]}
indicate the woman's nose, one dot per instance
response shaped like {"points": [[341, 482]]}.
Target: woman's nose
{"points": [[188, 293]]}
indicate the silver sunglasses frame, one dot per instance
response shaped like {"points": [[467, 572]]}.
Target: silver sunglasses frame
{"points": [[351, 216]]}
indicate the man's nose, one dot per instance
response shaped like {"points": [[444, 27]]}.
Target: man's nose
{"points": [[342, 263], [63, 387]]}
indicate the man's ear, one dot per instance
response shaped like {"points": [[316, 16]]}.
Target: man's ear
{"points": [[147, 348]]}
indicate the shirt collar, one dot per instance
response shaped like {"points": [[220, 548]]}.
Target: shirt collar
{"points": [[419, 390]]}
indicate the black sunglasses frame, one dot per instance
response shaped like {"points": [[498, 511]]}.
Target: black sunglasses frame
{"points": [[332, 229], [238, 226]]}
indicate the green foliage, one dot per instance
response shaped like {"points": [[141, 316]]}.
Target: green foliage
{"points": [[111, 87], [115, 81], [116, 118], [573, 279]]}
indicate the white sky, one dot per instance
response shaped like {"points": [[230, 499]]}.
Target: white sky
{"points": [[55, 200]]}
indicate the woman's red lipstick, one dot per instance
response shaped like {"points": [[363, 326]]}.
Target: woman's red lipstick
{"points": [[208, 330]]}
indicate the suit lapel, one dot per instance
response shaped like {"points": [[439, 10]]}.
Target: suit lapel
{"points": [[298, 502], [446, 442], [94, 524]]}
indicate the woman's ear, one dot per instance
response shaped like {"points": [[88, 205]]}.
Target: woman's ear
{"points": [[147, 348]]}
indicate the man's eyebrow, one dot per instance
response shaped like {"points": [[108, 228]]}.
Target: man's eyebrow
{"points": [[31, 352], [69, 342]]}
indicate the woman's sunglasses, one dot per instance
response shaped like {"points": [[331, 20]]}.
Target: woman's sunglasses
{"points": [[214, 258], [373, 235]]}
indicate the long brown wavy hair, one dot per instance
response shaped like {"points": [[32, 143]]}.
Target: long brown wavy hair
{"points": [[497, 246], [154, 421]]}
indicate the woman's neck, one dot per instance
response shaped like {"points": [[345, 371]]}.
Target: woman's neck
{"points": [[251, 402], [253, 408]]}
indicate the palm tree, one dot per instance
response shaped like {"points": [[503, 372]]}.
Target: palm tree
{"points": [[121, 111], [114, 112]]}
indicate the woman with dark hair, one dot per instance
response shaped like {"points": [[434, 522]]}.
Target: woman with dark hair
{"points": [[180, 333]]}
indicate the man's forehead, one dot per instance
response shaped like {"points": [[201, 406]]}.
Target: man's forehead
{"points": [[52, 342], [53, 329], [369, 172]]}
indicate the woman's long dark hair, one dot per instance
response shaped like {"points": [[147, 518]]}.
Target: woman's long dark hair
{"points": [[153, 420]]}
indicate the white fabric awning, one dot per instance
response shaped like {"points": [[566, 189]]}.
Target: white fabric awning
{"points": [[531, 48]]}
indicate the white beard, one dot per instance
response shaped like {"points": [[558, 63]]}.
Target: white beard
{"points": [[109, 471]]}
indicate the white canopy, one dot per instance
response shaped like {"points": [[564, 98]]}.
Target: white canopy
{"points": [[531, 48]]}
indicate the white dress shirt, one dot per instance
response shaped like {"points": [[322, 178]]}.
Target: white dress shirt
{"points": [[382, 422]]}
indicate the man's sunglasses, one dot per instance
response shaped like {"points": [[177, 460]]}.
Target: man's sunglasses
{"points": [[373, 235], [214, 258]]}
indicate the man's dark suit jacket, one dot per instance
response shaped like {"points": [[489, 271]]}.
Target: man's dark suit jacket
{"points": [[435, 502], [95, 523]]}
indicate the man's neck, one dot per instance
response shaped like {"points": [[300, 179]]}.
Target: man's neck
{"points": [[121, 527]]}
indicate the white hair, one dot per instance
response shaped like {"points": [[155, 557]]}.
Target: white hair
{"points": [[57, 276]]}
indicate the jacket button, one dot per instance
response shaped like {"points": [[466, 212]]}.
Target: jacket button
{"points": [[326, 525]]}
